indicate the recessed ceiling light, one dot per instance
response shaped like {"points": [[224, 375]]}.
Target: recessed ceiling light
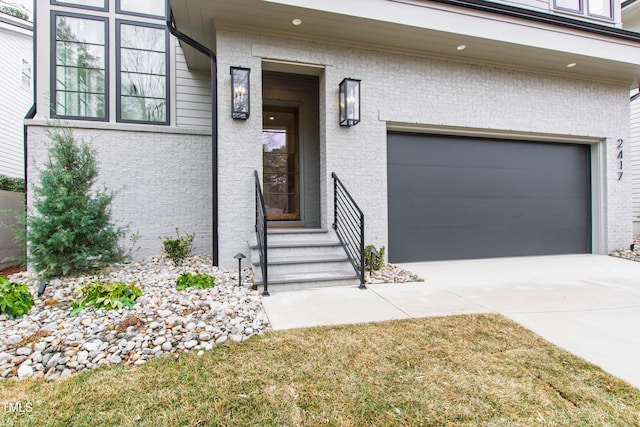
{"points": [[296, 21], [272, 118], [461, 47], [573, 64]]}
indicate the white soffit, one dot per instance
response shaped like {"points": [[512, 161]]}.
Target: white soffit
{"points": [[421, 28]]}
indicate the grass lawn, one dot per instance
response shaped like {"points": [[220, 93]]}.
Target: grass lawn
{"points": [[463, 370]]}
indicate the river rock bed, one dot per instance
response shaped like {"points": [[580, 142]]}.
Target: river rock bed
{"points": [[49, 342], [631, 253], [391, 273]]}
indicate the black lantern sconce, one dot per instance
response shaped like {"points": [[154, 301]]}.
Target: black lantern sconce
{"points": [[240, 93], [349, 102]]}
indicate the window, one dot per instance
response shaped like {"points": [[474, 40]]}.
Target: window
{"points": [[26, 74], [86, 4], [142, 73], [80, 82], [142, 7], [595, 8], [83, 62]]}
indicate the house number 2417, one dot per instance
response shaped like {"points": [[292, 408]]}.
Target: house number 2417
{"points": [[620, 156]]}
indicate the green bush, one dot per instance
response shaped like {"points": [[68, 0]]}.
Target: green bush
{"points": [[198, 281], [70, 230], [179, 248], [15, 298], [109, 295], [12, 184], [375, 259], [18, 11]]}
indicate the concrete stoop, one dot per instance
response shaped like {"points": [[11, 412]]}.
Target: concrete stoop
{"points": [[303, 258]]}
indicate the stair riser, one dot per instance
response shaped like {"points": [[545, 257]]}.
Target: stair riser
{"points": [[284, 287], [303, 251], [308, 267], [276, 238]]}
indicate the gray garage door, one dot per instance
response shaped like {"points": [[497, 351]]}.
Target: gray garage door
{"points": [[460, 198]]}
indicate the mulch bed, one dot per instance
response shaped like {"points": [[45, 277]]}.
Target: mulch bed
{"points": [[12, 270]]}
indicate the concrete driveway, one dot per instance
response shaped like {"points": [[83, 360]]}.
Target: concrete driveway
{"points": [[586, 304]]}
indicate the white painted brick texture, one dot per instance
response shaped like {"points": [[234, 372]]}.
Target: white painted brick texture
{"points": [[409, 90], [162, 181]]}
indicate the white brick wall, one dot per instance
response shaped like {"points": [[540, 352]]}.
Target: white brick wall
{"points": [[408, 90], [161, 176], [633, 148]]}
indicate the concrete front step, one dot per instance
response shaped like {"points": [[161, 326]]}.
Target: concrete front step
{"points": [[299, 248], [277, 234], [317, 263], [301, 258], [297, 281]]}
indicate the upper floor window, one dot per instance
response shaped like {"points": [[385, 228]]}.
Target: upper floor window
{"points": [[142, 7], [92, 51], [142, 73], [595, 8], [87, 4], [79, 76]]}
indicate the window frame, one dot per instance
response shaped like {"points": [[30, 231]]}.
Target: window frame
{"points": [[105, 8], [605, 17], [54, 66], [120, 11], [118, 72], [584, 10]]}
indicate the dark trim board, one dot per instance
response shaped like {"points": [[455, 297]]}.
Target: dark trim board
{"points": [[452, 197]]}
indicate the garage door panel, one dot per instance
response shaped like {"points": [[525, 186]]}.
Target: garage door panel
{"points": [[481, 212], [484, 182], [512, 198]]}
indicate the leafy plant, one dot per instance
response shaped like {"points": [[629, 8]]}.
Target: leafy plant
{"points": [[198, 281], [373, 259], [19, 12], [109, 295], [15, 298], [12, 184], [70, 230], [179, 248]]}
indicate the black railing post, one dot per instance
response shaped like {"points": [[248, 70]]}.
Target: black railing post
{"points": [[362, 286], [335, 200], [348, 221], [261, 234]]}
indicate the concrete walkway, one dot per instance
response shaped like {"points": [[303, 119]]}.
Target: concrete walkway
{"points": [[586, 304]]}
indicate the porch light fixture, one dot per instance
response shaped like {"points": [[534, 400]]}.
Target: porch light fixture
{"points": [[240, 93], [349, 102]]}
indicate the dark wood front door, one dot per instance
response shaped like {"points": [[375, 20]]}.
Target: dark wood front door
{"points": [[281, 163]]}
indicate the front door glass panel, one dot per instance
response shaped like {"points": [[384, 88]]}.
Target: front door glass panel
{"points": [[281, 165]]}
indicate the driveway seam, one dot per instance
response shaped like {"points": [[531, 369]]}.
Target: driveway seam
{"points": [[392, 304]]}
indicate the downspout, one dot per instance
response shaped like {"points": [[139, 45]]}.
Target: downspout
{"points": [[32, 111], [171, 24]]}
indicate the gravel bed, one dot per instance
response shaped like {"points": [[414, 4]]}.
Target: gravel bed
{"points": [[391, 273], [49, 342], [631, 253]]}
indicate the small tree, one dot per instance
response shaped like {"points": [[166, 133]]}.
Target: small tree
{"points": [[71, 231]]}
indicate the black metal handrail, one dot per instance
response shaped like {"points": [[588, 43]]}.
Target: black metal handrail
{"points": [[261, 233], [348, 221]]}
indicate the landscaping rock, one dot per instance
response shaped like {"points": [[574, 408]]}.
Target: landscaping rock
{"points": [[56, 345]]}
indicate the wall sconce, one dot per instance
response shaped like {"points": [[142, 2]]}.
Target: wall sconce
{"points": [[240, 93], [349, 102]]}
